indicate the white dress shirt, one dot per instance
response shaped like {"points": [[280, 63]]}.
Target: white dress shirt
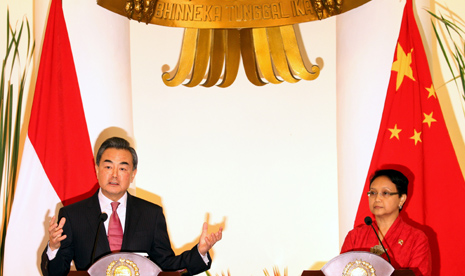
{"points": [[105, 207]]}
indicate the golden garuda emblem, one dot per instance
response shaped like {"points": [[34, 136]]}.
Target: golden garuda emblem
{"points": [[218, 33], [122, 267], [359, 268]]}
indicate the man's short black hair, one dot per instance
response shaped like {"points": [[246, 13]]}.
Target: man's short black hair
{"points": [[117, 143]]}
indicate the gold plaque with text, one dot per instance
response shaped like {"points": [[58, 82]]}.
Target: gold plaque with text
{"points": [[218, 33], [226, 14]]}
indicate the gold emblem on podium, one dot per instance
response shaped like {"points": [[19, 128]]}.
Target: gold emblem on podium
{"points": [[359, 268], [122, 267]]}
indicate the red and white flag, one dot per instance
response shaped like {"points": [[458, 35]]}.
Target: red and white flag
{"points": [[413, 135], [57, 165]]}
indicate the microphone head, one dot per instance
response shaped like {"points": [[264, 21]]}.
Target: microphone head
{"points": [[103, 216], [368, 220]]}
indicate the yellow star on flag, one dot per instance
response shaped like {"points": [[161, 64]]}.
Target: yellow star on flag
{"points": [[416, 136], [429, 119], [395, 132], [431, 91], [402, 66]]}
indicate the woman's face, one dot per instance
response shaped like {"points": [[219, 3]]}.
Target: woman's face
{"points": [[385, 206]]}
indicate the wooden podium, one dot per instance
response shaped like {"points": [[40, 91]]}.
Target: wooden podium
{"points": [[347, 264], [84, 273], [123, 263], [358, 263], [398, 272]]}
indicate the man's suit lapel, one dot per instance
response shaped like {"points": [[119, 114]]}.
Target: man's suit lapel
{"points": [[132, 217]]}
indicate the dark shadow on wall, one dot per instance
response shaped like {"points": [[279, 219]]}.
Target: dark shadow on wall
{"points": [[154, 198], [112, 132]]}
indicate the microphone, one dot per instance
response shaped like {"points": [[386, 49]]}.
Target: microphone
{"points": [[369, 221], [102, 218]]}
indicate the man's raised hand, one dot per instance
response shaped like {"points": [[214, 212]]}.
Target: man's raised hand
{"points": [[55, 233], [208, 240]]}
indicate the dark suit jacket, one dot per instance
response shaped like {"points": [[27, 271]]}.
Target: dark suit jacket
{"points": [[145, 231]]}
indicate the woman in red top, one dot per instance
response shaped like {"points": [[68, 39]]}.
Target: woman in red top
{"points": [[407, 246]]}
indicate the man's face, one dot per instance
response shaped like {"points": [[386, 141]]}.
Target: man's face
{"points": [[115, 172]]}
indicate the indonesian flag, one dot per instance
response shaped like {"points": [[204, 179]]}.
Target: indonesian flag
{"points": [[413, 135], [57, 164]]}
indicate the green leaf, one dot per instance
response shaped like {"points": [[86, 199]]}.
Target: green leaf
{"points": [[454, 52], [11, 101]]}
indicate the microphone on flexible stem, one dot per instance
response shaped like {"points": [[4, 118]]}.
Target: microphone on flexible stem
{"points": [[102, 218], [369, 221]]}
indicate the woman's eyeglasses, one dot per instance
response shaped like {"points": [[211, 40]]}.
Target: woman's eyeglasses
{"points": [[384, 194]]}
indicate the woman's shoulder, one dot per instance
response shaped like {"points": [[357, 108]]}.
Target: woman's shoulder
{"points": [[407, 226], [359, 229], [355, 238], [412, 231]]}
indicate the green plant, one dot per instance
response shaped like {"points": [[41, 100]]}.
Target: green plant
{"points": [[450, 46], [11, 100]]}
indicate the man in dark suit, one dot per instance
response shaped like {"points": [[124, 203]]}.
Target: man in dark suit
{"points": [[143, 223]]}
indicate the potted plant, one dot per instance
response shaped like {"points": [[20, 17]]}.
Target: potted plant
{"points": [[14, 73]]}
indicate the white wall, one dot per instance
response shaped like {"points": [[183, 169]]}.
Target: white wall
{"points": [[265, 162], [366, 40], [259, 160], [99, 40]]}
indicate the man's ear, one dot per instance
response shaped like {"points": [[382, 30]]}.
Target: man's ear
{"points": [[133, 175]]}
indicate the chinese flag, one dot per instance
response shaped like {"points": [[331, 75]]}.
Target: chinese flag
{"points": [[413, 138]]}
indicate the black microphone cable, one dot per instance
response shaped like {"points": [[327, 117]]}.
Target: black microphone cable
{"points": [[102, 218], [369, 221]]}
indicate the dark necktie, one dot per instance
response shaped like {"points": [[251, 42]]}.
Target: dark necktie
{"points": [[115, 230]]}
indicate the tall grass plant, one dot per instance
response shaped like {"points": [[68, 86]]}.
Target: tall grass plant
{"points": [[14, 73]]}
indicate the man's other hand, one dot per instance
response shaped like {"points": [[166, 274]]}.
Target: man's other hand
{"points": [[208, 240]]}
